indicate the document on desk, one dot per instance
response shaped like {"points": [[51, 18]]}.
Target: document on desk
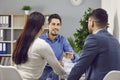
{"points": [[68, 65]]}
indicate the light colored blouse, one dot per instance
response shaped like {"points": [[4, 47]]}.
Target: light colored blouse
{"points": [[39, 54]]}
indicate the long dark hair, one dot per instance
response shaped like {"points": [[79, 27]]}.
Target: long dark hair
{"points": [[34, 23]]}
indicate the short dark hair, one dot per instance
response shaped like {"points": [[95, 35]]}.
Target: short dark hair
{"points": [[100, 15], [54, 16]]}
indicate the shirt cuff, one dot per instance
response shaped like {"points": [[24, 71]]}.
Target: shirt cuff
{"points": [[76, 57]]}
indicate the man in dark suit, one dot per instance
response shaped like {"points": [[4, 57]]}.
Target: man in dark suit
{"points": [[101, 51]]}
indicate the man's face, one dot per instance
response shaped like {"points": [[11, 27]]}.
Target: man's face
{"points": [[54, 26], [90, 23]]}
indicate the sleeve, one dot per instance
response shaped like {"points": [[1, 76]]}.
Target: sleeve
{"points": [[87, 56], [67, 48], [76, 57], [48, 55]]}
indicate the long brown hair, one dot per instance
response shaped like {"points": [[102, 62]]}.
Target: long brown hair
{"points": [[34, 23]]}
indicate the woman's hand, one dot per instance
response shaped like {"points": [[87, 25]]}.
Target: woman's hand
{"points": [[61, 63]]}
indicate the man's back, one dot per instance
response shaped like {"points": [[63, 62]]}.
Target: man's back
{"points": [[101, 51], [107, 56], [101, 54]]}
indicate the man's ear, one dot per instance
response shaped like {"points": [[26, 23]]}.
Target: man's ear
{"points": [[92, 24]]}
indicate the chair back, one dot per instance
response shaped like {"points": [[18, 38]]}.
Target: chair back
{"points": [[112, 75], [9, 73]]}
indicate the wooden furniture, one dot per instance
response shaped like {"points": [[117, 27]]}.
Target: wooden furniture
{"points": [[10, 27]]}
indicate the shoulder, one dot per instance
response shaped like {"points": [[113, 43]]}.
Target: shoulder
{"points": [[43, 36], [91, 39], [41, 47], [91, 36], [41, 43], [61, 38]]}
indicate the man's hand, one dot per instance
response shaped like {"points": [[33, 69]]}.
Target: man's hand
{"points": [[69, 55]]}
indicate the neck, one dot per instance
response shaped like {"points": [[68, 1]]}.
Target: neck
{"points": [[51, 37], [96, 30]]}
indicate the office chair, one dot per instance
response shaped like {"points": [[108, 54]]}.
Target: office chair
{"points": [[9, 73], [112, 75]]}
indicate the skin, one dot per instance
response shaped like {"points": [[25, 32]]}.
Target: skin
{"points": [[92, 26]]}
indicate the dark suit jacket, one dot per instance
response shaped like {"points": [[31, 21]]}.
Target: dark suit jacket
{"points": [[101, 54]]}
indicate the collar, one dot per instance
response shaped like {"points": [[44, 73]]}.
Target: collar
{"points": [[98, 30], [49, 38]]}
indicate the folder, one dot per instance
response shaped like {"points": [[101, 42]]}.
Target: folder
{"points": [[3, 48], [1, 35], [0, 48]]}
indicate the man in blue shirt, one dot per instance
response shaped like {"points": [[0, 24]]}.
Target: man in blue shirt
{"points": [[58, 43]]}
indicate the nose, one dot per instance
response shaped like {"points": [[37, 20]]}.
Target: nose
{"points": [[56, 26]]}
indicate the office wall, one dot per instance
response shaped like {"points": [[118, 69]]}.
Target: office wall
{"points": [[114, 16], [70, 14]]}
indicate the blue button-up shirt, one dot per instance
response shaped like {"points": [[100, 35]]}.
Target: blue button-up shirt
{"points": [[59, 45]]}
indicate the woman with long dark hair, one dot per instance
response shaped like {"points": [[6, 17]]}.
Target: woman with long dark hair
{"points": [[32, 53]]}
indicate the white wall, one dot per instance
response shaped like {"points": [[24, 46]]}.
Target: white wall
{"points": [[112, 7], [71, 15]]}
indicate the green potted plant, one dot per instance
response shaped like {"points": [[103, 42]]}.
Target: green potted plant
{"points": [[26, 9], [72, 43], [81, 33]]}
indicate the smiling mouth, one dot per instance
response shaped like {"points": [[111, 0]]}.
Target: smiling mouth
{"points": [[55, 29], [55, 32]]}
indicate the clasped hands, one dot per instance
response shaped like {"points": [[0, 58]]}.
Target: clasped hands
{"points": [[69, 55]]}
